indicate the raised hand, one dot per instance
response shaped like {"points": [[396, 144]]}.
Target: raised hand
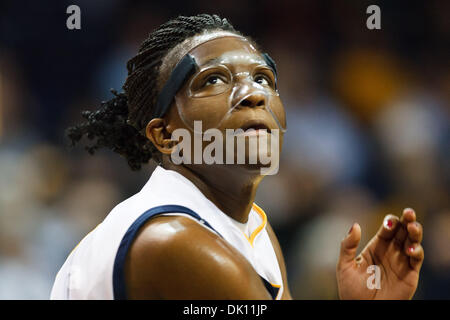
{"points": [[396, 249]]}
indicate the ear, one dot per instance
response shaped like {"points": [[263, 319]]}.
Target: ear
{"points": [[157, 133]]}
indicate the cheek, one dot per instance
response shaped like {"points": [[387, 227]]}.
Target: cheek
{"points": [[209, 110]]}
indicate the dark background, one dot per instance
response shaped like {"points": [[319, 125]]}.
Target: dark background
{"points": [[368, 128]]}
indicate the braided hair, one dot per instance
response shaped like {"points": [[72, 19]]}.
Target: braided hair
{"points": [[118, 123]]}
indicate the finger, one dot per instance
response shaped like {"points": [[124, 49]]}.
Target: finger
{"points": [[349, 246], [416, 255], [400, 236], [415, 231], [408, 216], [389, 227]]}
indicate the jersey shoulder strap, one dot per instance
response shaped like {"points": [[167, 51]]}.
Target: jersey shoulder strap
{"points": [[127, 240], [119, 284]]}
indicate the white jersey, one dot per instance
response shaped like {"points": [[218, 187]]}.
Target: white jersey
{"points": [[95, 268]]}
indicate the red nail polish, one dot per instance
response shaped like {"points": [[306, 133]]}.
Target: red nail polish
{"points": [[411, 249], [389, 223]]}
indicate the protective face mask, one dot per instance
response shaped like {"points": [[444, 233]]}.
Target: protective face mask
{"points": [[215, 84]]}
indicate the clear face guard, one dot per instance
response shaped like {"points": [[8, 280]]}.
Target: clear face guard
{"points": [[224, 84], [252, 85]]}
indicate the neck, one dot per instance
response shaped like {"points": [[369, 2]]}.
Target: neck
{"points": [[231, 188]]}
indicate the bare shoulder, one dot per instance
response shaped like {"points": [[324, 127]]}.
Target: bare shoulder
{"points": [[174, 257]]}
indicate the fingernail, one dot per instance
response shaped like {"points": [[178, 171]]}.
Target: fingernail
{"points": [[411, 249], [350, 231], [388, 223]]}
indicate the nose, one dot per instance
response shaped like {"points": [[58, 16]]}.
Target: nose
{"points": [[252, 100]]}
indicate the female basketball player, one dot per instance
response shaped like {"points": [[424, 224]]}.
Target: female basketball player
{"points": [[193, 231]]}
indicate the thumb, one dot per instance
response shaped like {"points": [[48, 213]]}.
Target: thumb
{"points": [[349, 245]]}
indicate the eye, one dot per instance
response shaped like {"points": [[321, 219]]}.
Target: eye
{"points": [[212, 80], [263, 80]]}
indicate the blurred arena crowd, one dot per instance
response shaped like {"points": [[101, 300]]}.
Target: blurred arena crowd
{"points": [[368, 116]]}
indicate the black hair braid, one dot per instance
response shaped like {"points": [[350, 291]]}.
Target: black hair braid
{"points": [[110, 128], [167, 36], [118, 123]]}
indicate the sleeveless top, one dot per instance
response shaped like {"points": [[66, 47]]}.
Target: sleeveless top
{"points": [[95, 268]]}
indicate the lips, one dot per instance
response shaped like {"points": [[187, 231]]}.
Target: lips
{"points": [[255, 125]]}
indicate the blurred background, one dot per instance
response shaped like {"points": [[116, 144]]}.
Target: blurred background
{"points": [[368, 128]]}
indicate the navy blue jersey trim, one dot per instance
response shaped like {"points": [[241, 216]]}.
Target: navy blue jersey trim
{"points": [[272, 290], [119, 286]]}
